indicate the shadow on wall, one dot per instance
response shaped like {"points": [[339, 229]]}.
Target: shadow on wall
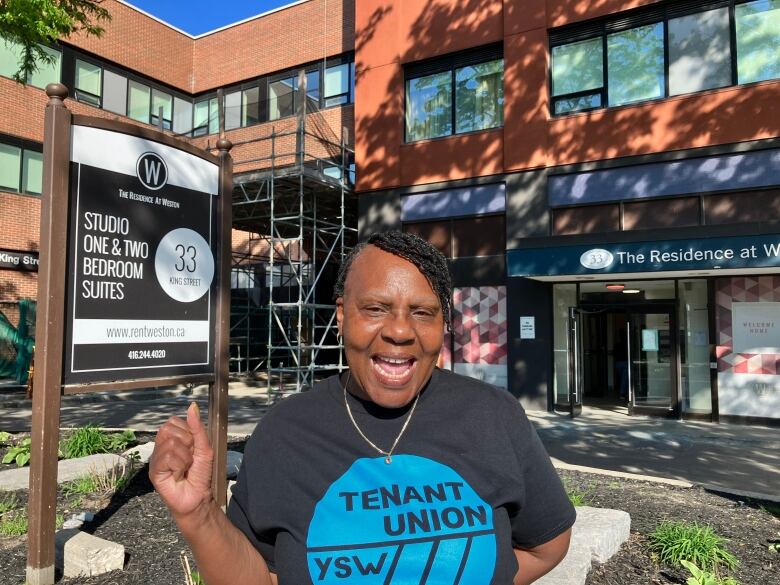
{"points": [[728, 115]]}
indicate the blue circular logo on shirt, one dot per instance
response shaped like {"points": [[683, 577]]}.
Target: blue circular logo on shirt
{"points": [[412, 521]]}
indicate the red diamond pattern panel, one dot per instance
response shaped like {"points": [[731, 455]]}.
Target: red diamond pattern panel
{"points": [[479, 325], [743, 290]]}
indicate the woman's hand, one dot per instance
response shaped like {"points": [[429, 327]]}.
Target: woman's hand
{"points": [[180, 467]]}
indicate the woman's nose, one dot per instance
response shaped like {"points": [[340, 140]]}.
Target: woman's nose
{"points": [[398, 329]]}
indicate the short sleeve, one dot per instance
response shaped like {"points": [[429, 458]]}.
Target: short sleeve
{"points": [[545, 510], [242, 511]]}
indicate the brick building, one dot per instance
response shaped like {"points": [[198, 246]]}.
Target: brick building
{"points": [[605, 178], [241, 81]]}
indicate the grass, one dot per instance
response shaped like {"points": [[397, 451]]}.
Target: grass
{"points": [[674, 542], [14, 524], [81, 486], [8, 502], [576, 497]]}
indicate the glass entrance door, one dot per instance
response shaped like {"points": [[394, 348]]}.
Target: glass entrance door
{"points": [[653, 361], [575, 361]]}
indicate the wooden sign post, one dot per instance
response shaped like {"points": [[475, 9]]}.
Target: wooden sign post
{"points": [[134, 283]]}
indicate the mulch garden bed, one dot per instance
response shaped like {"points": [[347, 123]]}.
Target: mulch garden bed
{"points": [[137, 518]]}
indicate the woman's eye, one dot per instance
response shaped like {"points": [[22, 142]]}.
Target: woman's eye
{"points": [[423, 314]]}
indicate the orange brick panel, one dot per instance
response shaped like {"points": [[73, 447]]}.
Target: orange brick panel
{"points": [[430, 28], [725, 116], [287, 38], [461, 156], [143, 44]]}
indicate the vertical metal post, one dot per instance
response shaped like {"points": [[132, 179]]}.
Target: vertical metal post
{"points": [[47, 385], [218, 391]]}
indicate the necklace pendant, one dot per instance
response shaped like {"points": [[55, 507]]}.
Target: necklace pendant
{"points": [[388, 460]]}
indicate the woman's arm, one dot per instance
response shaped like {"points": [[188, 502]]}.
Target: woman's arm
{"points": [[180, 470], [223, 554], [538, 561]]}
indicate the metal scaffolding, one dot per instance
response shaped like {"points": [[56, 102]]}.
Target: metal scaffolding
{"points": [[298, 211]]}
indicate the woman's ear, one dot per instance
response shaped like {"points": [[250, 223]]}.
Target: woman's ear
{"points": [[340, 314]]}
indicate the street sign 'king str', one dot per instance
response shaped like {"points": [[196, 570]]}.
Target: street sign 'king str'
{"points": [[141, 248]]}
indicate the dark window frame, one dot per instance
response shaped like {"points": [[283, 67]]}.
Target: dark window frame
{"points": [[452, 63], [662, 13], [450, 223], [77, 91], [23, 146]]}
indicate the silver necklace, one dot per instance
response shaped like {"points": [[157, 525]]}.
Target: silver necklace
{"points": [[388, 454]]}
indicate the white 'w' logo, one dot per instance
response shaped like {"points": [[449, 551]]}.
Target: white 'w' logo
{"points": [[152, 169]]}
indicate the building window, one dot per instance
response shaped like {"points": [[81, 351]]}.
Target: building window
{"points": [[635, 64], [250, 106], [162, 104], [205, 117], [758, 40], [671, 49], [21, 169], [337, 85], [455, 94], [479, 96], [138, 101], [281, 98], [115, 93], [463, 237], [699, 51], [88, 82], [429, 106], [578, 72], [46, 73]]}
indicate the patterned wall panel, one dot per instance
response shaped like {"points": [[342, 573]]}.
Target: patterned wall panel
{"points": [[748, 383], [479, 336]]}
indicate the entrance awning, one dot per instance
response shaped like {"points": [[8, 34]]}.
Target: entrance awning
{"points": [[654, 259]]}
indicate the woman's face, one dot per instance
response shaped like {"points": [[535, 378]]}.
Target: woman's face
{"points": [[392, 325]]}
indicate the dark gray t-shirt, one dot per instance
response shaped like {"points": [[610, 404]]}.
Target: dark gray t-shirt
{"points": [[468, 480]]}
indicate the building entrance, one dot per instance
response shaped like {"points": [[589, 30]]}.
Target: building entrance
{"points": [[624, 356]]}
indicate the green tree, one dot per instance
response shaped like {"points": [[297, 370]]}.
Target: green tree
{"points": [[33, 23]]}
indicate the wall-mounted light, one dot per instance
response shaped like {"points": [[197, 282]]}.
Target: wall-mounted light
{"points": [[631, 291], [615, 286]]}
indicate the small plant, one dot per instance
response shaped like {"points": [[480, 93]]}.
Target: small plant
{"points": [[120, 441], [19, 453], [14, 524], [81, 486], [85, 441], [774, 544], [577, 499], [191, 577], [4, 436], [8, 502], [698, 576], [674, 542], [90, 440], [702, 577]]}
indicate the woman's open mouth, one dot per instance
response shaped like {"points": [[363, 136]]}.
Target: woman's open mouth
{"points": [[393, 371]]}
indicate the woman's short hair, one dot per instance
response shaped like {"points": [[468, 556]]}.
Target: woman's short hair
{"points": [[423, 255]]}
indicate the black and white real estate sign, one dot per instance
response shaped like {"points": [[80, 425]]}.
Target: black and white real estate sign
{"points": [[141, 249]]}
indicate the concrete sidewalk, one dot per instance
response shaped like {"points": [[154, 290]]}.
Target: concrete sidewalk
{"points": [[733, 458], [738, 459]]}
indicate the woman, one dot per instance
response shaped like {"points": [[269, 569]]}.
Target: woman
{"points": [[395, 472]]}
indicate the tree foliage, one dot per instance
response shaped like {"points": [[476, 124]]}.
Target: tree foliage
{"points": [[32, 23]]}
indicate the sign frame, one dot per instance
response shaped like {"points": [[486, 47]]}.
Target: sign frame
{"points": [[48, 384]]}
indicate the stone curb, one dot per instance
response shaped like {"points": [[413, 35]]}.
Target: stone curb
{"points": [[67, 470], [598, 534], [558, 464], [20, 400]]}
